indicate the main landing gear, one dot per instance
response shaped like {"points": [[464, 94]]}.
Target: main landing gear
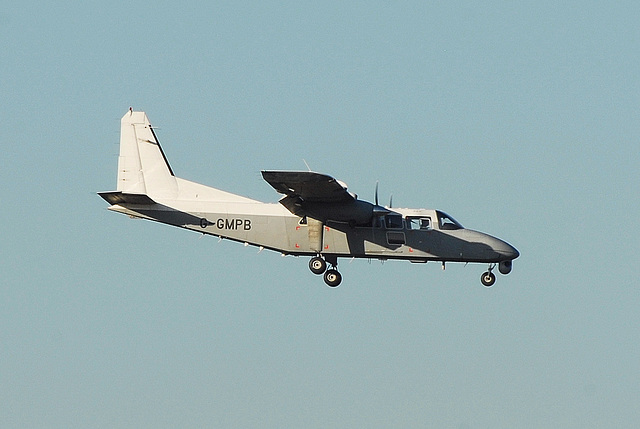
{"points": [[488, 278], [318, 265]]}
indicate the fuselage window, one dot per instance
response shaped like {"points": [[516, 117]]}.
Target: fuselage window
{"points": [[447, 222], [393, 221], [423, 223]]}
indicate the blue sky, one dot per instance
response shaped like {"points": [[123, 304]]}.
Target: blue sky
{"points": [[520, 120]]}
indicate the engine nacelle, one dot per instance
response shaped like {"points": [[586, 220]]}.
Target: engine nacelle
{"points": [[356, 212], [505, 267]]}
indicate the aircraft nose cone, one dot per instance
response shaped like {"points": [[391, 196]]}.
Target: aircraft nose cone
{"points": [[505, 249], [486, 247]]}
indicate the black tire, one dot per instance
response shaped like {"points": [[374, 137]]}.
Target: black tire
{"points": [[332, 278], [488, 278], [317, 265]]}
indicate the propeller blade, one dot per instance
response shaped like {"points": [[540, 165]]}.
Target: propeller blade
{"points": [[376, 198], [391, 201]]}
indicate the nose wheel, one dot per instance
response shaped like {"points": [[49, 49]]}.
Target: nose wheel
{"points": [[488, 278], [318, 265]]}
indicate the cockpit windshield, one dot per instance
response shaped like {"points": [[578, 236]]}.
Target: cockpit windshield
{"points": [[447, 222]]}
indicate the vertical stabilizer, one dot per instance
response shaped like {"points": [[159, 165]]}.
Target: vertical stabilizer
{"points": [[142, 165]]}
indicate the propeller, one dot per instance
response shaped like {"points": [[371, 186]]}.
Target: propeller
{"points": [[377, 209]]}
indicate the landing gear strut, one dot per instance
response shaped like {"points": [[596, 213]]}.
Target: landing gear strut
{"points": [[488, 278], [318, 265]]}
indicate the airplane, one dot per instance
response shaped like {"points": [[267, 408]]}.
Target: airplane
{"points": [[316, 216]]}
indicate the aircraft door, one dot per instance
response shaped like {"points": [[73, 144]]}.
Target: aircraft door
{"points": [[420, 235], [395, 233]]}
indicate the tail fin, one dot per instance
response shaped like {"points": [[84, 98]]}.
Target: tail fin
{"points": [[144, 175], [143, 168]]}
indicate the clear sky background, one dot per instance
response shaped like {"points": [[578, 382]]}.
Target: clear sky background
{"points": [[519, 119]]}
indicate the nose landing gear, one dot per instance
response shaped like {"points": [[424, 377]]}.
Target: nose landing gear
{"points": [[488, 278], [318, 265]]}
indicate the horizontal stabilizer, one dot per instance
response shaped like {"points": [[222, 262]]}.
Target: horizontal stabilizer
{"points": [[117, 197]]}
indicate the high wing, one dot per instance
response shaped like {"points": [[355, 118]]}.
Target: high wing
{"points": [[320, 197], [308, 186]]}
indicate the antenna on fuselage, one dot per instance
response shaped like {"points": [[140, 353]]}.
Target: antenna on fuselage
{"points": [[305, 163]]}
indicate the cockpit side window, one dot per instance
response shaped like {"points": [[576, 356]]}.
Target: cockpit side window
{"points": [[393, 221], [447, 222], [421, 223]]}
